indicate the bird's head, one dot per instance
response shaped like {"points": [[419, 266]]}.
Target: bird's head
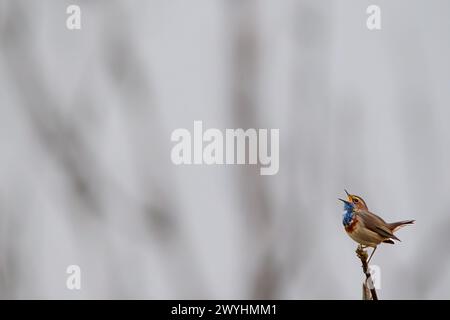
{"points": [[354, 203]]}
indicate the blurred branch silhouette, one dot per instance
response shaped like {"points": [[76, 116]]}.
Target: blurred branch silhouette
{"points": [[85, 121], [369, 292]]}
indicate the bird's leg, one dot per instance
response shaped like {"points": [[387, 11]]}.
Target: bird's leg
{"points": [[371, 254]]}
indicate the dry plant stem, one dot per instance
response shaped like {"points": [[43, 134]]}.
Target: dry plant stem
{"points": [[362, 255], [366, 292]]}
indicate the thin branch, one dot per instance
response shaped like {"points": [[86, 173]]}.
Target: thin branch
{"points": [[362, 255]]}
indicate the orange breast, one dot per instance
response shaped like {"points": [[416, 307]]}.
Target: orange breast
{"points": [[351, 227]]}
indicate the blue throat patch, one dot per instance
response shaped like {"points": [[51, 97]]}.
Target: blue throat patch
{"points": [[348, 214]]}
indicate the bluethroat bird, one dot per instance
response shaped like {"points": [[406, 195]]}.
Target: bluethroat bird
{"points": [[365, 227]]}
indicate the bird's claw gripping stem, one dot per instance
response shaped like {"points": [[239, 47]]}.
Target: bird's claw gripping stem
{"points": [[361, 253]]}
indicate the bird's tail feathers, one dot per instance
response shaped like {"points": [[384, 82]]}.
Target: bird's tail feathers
{"points": [[394, 226]]}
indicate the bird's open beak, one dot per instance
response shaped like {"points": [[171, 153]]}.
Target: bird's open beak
{"points": [[344, 201], [348, 195]]}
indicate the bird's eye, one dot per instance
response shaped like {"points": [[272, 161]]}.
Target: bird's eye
{"points": [[355, 200]]}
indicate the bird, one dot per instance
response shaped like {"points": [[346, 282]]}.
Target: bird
{"points": [[365, 227]]}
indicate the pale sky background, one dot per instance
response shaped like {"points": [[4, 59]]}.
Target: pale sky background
{"points": [[85, 124]]}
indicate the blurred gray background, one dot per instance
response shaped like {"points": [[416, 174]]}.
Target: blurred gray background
{"points": [[85, 170]]}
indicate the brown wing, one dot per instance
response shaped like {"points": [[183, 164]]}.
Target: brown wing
{"points": [[376, 224]]}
